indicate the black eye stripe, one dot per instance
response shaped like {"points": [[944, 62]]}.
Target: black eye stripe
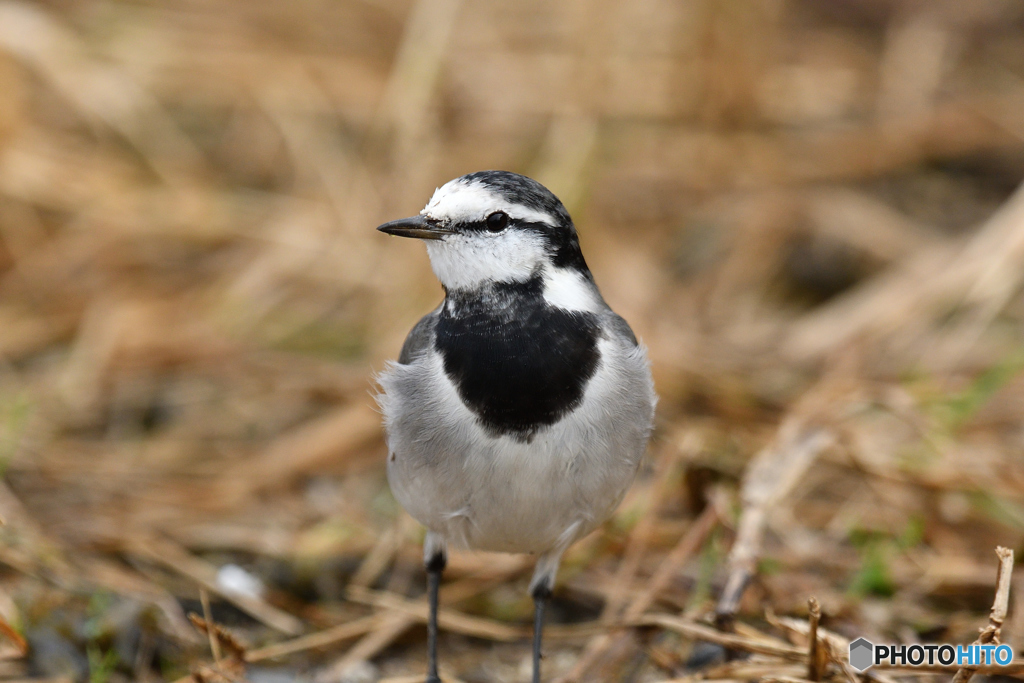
{"points": [[539, 227], [520, 223]]}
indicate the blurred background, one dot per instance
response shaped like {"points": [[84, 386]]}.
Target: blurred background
{"points": [[807, 210]]}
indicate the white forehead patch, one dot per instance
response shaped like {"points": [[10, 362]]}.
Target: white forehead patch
{"points": [[459, 201]]}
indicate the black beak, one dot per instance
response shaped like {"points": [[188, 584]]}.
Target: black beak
{"points": [[417, 226]]}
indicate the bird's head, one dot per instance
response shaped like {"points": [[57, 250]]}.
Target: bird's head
{"points": [[494, 227]]}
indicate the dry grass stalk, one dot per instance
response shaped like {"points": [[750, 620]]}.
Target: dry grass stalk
{"points": [[639, 540], [691, 629], [101, 92], [326, 440], [775, 649], [1011, 671], [390, 627], [192, 297], [225, 672], [815, 660], [16, 638], [1000, 608], [204, 599], [220, 637], [447, 619], [113, 576], [320, 639], [36, 552], [832, 648], [749, 669], [446, 677], [175, 557], [381, 555], [399, 614], [672, 564], [983, 271], [687, 546], [772, 474]]}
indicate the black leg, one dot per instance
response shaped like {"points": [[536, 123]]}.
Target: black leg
{"points": [[541, 595], [435, 565]]}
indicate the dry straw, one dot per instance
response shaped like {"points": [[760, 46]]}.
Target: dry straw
{"points": [[808, 211]]}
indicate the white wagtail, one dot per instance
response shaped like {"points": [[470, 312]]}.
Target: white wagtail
{"points": [[519, 409]]}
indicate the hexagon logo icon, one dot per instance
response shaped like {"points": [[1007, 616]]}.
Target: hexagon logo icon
{"points": [[862, 654]]}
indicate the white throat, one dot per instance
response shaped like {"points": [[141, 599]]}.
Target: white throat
{"points": [[470, 262]]}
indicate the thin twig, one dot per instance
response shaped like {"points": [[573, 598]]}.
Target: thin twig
{"points": [[691, 629], [204, 599], [391, 627], [175, 557], [770, 476], [224, 638], [19, 641], [669, 568], [330, 636], [1000, 606], [814, 663]]}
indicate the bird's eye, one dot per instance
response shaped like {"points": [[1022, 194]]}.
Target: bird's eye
{"points": [[497, 221]]}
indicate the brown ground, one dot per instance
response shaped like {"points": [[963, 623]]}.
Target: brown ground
{"points": [[807, 209]]}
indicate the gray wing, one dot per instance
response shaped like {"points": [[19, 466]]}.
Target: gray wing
{"points": [[420, 338], [613, 324], [618, 327]]}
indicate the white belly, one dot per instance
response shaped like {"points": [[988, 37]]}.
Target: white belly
{"points": [[501, 494]]}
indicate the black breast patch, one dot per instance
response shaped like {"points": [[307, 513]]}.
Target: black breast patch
{"points": [[518, 363]]}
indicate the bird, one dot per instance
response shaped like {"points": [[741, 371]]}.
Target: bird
{"points": [[519, 410]]}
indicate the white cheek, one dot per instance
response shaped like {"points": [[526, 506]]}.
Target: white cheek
{"points": [[569, 290], [467, 261]]}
